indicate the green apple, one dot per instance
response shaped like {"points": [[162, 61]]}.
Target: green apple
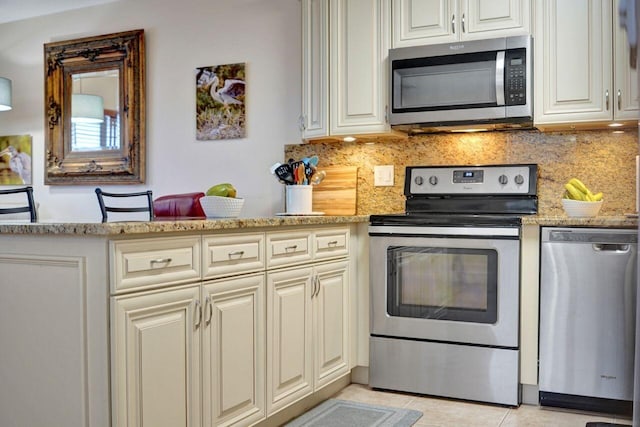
{"points": [[222, 190]]}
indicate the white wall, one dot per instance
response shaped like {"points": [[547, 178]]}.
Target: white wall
{"points": [[180, 36]]}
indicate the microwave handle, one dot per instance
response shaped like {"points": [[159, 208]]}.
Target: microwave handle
{"points": [[500, 77]]}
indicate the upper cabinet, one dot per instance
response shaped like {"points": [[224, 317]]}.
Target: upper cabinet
{"points": [[582, 68], [345, 45], [420, 22]]}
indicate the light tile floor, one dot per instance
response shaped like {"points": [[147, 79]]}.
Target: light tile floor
{"points": [[441, 412]]}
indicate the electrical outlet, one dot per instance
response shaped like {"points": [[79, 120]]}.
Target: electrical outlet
{"points": [[383, 176]]}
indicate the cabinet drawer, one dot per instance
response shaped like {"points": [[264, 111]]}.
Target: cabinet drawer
{"points": [[288, 248], [151, 263], [233, 254], [331, 243]]}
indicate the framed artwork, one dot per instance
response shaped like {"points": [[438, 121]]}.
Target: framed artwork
{"points": [[220, 107], [15, 160]]}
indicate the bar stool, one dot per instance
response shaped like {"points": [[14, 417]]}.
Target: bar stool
{"points": [[29, 207], [104, 208]]}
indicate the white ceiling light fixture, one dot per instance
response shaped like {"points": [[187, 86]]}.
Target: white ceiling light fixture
{"points": [[87, 108], [5, 94]]}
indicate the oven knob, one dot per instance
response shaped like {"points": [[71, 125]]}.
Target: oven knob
{"points": [[502, 179], [519, 179], [418, 180], [433, 180]]}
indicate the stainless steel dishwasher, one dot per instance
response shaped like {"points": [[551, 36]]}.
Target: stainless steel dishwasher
{"points": [[587, 318]]}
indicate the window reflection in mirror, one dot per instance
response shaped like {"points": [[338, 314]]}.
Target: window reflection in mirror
{"points": [[95, 117]]}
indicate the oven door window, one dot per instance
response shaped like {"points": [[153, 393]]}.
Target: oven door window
{"points": [[443, 283]]}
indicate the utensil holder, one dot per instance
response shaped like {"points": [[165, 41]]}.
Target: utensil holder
{"points": [[299, 199]]}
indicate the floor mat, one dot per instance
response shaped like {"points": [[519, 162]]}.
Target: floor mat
{"points": [[599, 424], [343, 413]]}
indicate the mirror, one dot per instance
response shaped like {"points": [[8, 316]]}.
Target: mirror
{"points": [[95, 110]]}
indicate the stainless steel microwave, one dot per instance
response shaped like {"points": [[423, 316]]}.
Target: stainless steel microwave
{"points": [[483, 84]]}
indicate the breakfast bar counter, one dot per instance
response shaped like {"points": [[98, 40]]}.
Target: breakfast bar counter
{"points": [[169, 225]]}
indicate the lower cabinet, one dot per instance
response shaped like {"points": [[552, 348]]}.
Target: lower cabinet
{"points": [[232, 350], [233, 356], [307, 330], [156, 358]]}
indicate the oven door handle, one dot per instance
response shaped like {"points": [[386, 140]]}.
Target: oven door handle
{"points": [[500, 77], [390, 230]]}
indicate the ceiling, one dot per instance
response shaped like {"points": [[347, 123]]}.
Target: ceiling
{"points": [[15, 10]]}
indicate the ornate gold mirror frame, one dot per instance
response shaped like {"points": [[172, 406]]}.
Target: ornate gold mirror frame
{"points": [[115, 153]]}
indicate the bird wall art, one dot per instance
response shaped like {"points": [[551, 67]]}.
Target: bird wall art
{"points": [[15, 160], [220, 102]]}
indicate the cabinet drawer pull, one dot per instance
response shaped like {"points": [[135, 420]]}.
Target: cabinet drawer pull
{"points": [[606, 97], [619, 100], [332, 243], [317, 279], [463, 30], [291, 248], [160, 261], [198, 314], [209, 309], [453, 24], [236, 253]]}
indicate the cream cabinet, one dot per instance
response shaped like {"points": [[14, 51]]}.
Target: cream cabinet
{"points": [[233, 351], [422, 22], [289, 341], [344, 57], [583, 76], [261, 323], [156, 358], [307, 331]]}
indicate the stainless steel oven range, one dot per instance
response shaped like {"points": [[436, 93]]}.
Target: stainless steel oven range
{"points": [[445, 283]]}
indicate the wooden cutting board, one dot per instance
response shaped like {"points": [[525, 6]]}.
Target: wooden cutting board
{"points": [[336, 194]]}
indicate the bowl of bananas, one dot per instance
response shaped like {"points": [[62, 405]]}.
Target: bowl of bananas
{"points": [[579, 201]]}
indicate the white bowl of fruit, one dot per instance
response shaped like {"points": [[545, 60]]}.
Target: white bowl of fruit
{"points": [[579, 201]]}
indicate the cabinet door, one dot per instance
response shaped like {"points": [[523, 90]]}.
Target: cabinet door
{"points": [[315, 68], [482, 19], [156, 353], [627, 105], [233, 351], [359, 33], [420, 22], [289, 328], [573, 65], [331, 322]]}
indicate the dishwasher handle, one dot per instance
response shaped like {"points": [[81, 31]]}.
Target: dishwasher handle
{"points": [[609, 247], [593, 237]]}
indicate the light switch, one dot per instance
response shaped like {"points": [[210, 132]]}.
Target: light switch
{"points": [[383, 176]]}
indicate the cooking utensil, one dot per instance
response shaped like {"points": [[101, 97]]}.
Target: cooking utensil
{"points": [[284, 172], [317, 177]]}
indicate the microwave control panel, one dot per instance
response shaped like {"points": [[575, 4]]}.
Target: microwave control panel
{"points": [[515, 77]]}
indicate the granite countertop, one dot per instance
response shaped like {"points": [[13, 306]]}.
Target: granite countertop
{"points": [[199, 225], [622, 221], [167, 225]]}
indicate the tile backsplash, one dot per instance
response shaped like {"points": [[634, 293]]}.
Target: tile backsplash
{"points": [[603, 160]]}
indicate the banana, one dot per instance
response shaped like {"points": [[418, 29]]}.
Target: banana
{"points": [[576, 190], [579, 185], [574, 193]]}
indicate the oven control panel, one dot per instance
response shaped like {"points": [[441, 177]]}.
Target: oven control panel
{"points": [[475, 180]]}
